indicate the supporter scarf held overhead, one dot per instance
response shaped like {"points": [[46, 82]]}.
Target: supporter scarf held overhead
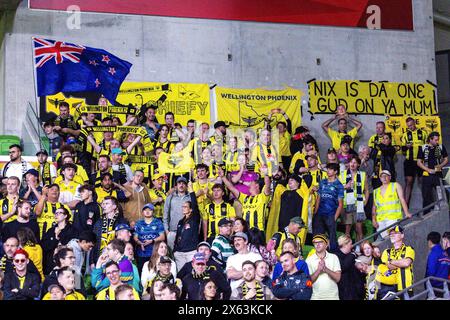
{"points": [[67, 67]]}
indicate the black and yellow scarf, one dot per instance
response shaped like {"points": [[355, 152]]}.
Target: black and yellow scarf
{"points": [[45, 175], [259, 291]]}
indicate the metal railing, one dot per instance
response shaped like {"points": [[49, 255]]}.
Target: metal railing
{"points": [[428, 293], [441, 198]]}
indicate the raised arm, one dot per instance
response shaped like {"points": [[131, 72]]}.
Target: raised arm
{"points": [[358, 124], [228, 184], [326, 124]]}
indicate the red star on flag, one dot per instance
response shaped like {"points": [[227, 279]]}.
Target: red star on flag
{"points": [[105, 58], [97, 83], [112, 71], [93, 62]]}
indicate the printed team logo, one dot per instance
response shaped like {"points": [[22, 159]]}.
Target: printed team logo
{"points": [[431, 124], [185, 94]]}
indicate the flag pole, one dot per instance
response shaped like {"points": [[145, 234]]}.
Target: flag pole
{"points": [[37, 113]]}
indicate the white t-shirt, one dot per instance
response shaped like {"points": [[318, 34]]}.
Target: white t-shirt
{"points": [[324, 288], [16, 169], [236, 261]]}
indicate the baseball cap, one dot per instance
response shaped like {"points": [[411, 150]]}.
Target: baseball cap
{"points": [[165, 259], [240, 235], [224, 221], [148, 206], [321, 237], [182, 179], [298, 221], [42, 151], [56, 285], [204, 243], [118, 151], [122, 226], [398, 229], [220, 124], [199, 257], [34, 172], [385, 172], [157, 175]]}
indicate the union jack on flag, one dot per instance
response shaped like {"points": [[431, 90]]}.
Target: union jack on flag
{"points": [[67, 67]]}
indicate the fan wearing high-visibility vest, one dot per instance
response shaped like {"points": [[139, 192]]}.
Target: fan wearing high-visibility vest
{"points": [[356, 195], [388, 201], [399, 261]]}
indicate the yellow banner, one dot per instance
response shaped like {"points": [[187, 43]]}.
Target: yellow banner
{"points": [[397, 125], [179, 162], [251, 107], [186, 100], [366, 97]]}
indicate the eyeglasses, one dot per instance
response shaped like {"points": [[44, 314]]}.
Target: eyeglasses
{"points": [[58, 212], [112, 272], [318, 242], [20, 260]]}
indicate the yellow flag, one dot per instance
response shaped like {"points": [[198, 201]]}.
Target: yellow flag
{"points": [[177, 162]]}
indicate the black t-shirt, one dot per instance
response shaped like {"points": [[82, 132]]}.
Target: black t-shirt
{"points": [[10, 229], [432, 161], [86, 215]]}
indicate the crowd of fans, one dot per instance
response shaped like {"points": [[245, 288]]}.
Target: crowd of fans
{"points": [[257, 215]]}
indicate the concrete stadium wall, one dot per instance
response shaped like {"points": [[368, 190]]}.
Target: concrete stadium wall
{"points": [[193, 50]]}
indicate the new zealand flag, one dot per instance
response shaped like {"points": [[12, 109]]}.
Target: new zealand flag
{"points": [[67, 67]]}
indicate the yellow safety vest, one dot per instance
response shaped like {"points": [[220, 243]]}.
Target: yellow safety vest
{"points": [[388, 206]]}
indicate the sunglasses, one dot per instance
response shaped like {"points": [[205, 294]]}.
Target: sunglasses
{"points": [[19, 260]]}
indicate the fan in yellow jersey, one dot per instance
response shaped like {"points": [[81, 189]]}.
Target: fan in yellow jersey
{"points": [[266, 154], [219, 136], [66, 279], [158, 195], [231, 155], [254, 206], [412, 140], [68, 189], [399, 260], [163, 139], [80, 176], [298, 163], [112, 272], [103, 166], [284, 132], [336, 136], [211, 164], [133, 145], [9, 203], [198, 144], [215, 211], [47, 171], [108, 188], [202, 187], [46, 207]]}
